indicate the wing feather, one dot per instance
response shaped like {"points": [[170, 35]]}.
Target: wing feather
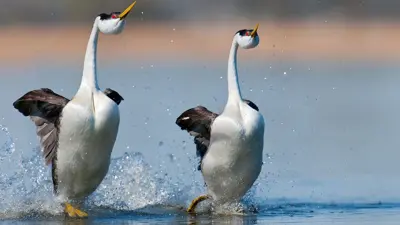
{"points": [[197, 122], [44, 108]]}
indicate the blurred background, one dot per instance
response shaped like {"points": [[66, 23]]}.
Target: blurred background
{"points": [[325, 76], [67, 11], [311, 28]]}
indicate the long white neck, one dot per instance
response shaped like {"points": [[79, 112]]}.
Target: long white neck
{"points": [[89, 78], [233, 80]]}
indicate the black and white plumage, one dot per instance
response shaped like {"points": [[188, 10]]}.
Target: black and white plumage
{"points": [[44, 107], [197, 122], [83, 137], [233, 141]]}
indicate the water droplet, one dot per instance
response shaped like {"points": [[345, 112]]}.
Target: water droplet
{"points": [[127, 147], [142, 13], [284, 73], [167, 110], [173, 29], [151, 66], [172, 41], [220, 77]]}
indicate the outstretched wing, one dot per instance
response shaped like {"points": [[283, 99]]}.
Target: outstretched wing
{"points": [[44, 107], [197, 121]]}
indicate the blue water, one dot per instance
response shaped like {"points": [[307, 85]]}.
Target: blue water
{"points": [[330, 156]]}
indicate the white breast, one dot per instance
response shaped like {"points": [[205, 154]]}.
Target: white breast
{"points": [[86, 141], [234, 159]]}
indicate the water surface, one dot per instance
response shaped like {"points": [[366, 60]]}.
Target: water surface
{"points": [[331, 142]]}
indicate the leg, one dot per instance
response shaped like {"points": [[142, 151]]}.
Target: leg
{"points": [[73, 212], [195, 202]]}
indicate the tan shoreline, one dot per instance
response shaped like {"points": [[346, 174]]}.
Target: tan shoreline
{"points": [[334, 41]]}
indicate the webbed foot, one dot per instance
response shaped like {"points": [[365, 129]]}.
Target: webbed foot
{"points": [[73, 212], [195, 202]]}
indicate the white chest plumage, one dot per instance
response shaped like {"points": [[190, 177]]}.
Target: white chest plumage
{"points": [[78, 136], [87, 136], [234, 158]]}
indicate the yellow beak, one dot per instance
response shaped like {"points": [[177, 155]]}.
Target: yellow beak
{"points": [[253, 33], [126, 11]]}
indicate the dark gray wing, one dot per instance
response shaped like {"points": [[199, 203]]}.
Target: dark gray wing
{"points": [[197, 121], [251, 104], [44, 107], [113, 95]]}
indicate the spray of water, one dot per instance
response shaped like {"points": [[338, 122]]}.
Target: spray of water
{"points": [[131, 184]]}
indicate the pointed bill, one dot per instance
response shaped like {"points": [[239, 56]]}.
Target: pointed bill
{"points": [[254, 32], [126, 11]]}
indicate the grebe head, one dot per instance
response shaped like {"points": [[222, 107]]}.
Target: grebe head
{"points": [[247, 38], [113, 23]]}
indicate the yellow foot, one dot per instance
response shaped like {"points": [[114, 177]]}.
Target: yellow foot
{"points": [[73, 212], [195, 202]]}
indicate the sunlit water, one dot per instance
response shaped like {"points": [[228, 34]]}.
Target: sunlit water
{"points": [[331, 142]]}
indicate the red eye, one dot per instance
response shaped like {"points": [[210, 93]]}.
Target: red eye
{"points": [[114, 16], [247, 33]]}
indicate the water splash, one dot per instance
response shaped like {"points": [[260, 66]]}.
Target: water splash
{"points": [[8, 147], [26, 186], [131, 185], [24, 183]]}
